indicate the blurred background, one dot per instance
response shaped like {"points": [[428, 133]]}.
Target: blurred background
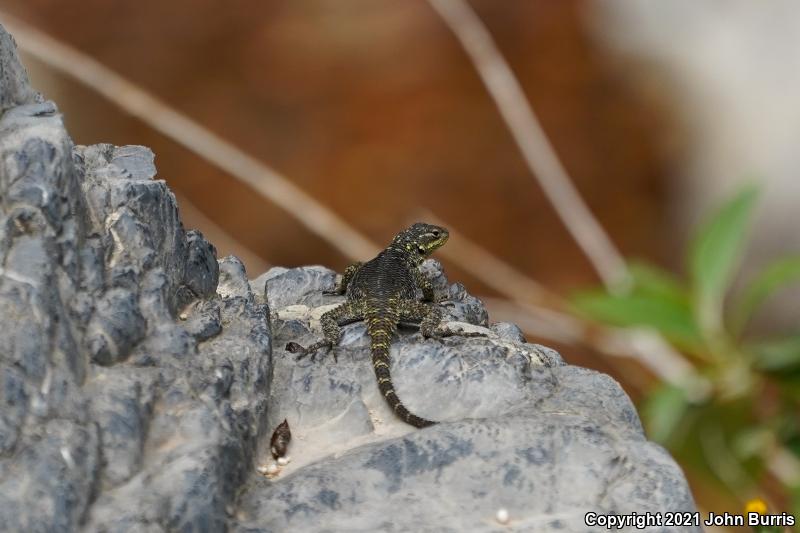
{"points": [[659, 112]]}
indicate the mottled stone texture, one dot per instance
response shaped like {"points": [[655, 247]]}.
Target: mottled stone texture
{"points": [[132, 394], [521, 430], [138, 387]]}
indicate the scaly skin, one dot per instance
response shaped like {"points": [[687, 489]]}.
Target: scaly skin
{"points": [[383, 292]]}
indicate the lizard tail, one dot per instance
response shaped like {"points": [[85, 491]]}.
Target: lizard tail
{"points": [[380, 363]]}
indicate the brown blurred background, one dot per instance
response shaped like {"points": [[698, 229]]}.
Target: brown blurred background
{"points": [[374, 109]]}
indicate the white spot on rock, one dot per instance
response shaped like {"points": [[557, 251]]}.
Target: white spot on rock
{"points": [[67, 456], [502, 516]]}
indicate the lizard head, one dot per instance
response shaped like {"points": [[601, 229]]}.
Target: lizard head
{"points": [[422, 239]]}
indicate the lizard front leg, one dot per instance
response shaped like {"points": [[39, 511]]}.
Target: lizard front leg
{"points": [[347, 277], [425, 285], [332, 323]]}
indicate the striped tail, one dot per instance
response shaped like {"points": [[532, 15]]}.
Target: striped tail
{"points": [[380, 332]]}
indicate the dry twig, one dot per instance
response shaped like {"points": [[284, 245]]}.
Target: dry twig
{"points": [[564, 328], [490, 269], [505, 90], [536, 149]]}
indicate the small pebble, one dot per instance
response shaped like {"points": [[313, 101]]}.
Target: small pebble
{"points": [[281, 438], [502, 516], [268, 470]]}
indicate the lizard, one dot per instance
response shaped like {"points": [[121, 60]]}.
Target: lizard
{"points": [[383, 292]]}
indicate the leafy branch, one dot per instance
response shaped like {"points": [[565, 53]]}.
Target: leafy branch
{"points": [[749, 417]]}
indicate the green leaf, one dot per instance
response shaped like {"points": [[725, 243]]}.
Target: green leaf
{"points": [[714, 254], [663, 411], [788, 431], [777, 355], [782, 272], [654, 281], [751, 441], [795, 500], [672, 319]]}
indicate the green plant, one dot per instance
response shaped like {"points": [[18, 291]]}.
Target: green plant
{"points": [[734, 431]]}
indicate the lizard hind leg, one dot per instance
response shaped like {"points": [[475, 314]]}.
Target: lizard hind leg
{"points": [[332, 322], [301, 351]]}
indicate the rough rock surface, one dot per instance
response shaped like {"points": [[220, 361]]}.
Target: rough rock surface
{"points": [[133, 385], [522, 430], [140, 379]]}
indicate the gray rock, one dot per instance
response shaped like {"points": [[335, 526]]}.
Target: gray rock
{"points": [[300, 286], [116, 327], [13, 77], [508, 331], [202, 270], [140, 379], [520, 430], [125, 404]]}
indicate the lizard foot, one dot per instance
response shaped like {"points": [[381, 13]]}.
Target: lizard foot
{"points": [[293, 347], [337, 290]]}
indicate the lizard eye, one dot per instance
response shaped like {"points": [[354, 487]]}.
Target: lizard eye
{"points": [[436, 233]]}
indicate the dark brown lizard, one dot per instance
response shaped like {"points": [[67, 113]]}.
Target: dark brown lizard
{"points": [[383, 292]]}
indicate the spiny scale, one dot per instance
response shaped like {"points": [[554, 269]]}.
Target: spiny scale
{"points": [[383, 291]]}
